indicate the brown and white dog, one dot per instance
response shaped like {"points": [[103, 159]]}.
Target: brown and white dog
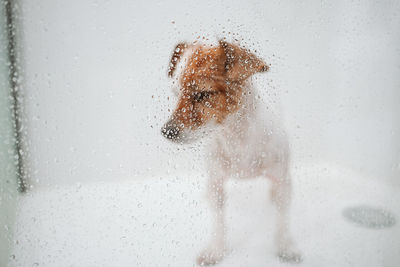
{"points": [[214, 92]]}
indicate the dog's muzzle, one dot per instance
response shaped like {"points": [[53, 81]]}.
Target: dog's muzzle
{"points": [[171, 130]]}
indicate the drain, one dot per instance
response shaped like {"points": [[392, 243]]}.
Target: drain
{"points": [[371, 217]]}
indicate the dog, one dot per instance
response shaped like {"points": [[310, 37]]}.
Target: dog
{"points": [[214, 91]]}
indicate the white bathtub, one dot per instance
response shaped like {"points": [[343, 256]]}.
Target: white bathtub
{"points": [[165, 221]]}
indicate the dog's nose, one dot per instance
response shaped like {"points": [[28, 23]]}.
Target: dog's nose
{"points": [[170, 130]]}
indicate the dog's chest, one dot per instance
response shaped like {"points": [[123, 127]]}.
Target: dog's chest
{"points": [[241, 148], [247, 145]]}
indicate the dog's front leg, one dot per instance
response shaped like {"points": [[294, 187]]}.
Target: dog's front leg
{"points": [[214, 252], [281, 196]]}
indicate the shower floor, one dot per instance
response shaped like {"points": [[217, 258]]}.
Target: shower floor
{"points": [[164, 221]]}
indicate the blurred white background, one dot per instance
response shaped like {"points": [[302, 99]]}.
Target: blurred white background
{"points": [[96, 86]]}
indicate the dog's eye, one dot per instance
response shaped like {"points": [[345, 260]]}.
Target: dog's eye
{"points": [[199, 96]]}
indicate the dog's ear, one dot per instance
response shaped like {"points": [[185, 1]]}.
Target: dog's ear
{"points": [[176, 55], [240, 63]]}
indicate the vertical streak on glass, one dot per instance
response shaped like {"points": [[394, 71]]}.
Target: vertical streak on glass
{"points": [[14, 86]]}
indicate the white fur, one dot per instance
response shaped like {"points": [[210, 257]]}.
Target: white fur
{"points": [[249, 145]]}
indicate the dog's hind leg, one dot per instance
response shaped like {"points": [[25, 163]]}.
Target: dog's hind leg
{"points": [[281, 196], [215, 250]]}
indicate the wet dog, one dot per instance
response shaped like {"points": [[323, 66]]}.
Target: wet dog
{"points": [[215, 92]]}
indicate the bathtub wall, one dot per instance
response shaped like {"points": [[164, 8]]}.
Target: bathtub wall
{"points": [[97, 92]]}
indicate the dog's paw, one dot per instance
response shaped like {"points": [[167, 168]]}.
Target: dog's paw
{"points": [[290, 256], [210, 256]]}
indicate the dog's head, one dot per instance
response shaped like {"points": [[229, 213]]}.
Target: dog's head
{"points": [[211, 85]]}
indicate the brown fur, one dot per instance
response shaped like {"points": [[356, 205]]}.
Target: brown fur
{"points": [[211, 85]]}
